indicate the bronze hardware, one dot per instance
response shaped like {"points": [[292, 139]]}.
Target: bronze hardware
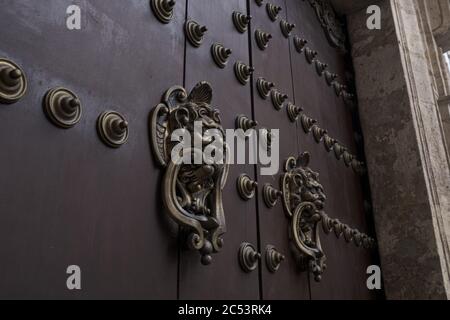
{"points": [[259, 2], [13, 82], [310, 55], [243, 72], [339, 150], [244, 123], [330, 77], [348, 158], [262, 39], [195, 33], [338, 88], [246, 187], [349, 99], [248, 257], [192, 193], [286, 28], [307, 123], [304, 202], [293, 112], [264, 87], [320, 67], [271, 195], [112, 129], [318, 133], [273, 11], [273, 259], [163, 9], [62, 107], [241, 21], [266, 138], [300, 44], [220, 54], [278, 99], [328, 142], [358, 166]]}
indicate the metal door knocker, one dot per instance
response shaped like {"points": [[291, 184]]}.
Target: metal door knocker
{"points": [[62, 107], [13, 83], [113, 129], [192, 193]]}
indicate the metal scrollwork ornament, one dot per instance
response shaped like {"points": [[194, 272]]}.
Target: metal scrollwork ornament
{"points": [[273, 11], [262, 39], [163, 9], [286, 28], [264, 87], [192, 193], [195, 33], [13, 83], [220, 54], [243, 72], [241, 21]]}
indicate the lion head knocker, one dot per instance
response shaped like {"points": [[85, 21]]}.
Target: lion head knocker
{"points": [[192, 190], [303, 200]]}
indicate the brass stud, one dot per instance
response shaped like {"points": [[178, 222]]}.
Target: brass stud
{"points": [[246, 187], [220, 54], [259, 2], [273, 11], [358, 166], [348, 158], [286, 28], [271, 195], [62, 107], [13, 83], [163, 9], [310, 55], [318, 133], [338, 88], [293, 111], [262, 39], [339, 150], [266, 138], [299, 44], [243, 72], [241, 21], [112, 129], [320, 67], [248, 257], [330, 77], [349, 99], [273, 258], [307, 123], [195, 32], [278, 99], [328, 142], [244, 123], [264, 87]]}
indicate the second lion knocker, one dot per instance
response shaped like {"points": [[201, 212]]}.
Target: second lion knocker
{"points": [[303, 200], [192, 193]]}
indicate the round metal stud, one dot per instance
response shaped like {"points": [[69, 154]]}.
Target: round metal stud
{"points": [[278, 99], [264, 87], [310, 55], [318, 133], [286, 28], [13, 83], [62, 107], [339, 88], [293, 112], [112, 129], [195, 33], [262, 39], [246, 187], [163, 9], [220, 54], [241, 21], [259, 2], [243, 72], [248, 257], [273, 11], [271, 195], [299, 44], [328, 142], [307, 123], [338, 150], [244, 123], [273, 258], [330, 77], [348, 158], [320, 67]]}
